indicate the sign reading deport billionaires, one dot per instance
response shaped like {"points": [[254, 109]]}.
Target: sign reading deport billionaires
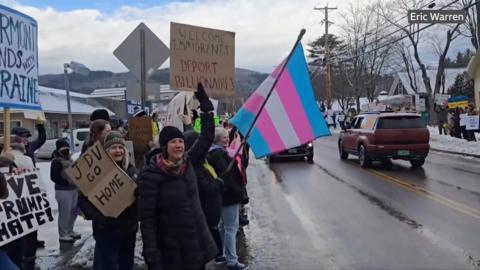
{"points": [[18, 60], [99, 178], [436, 16], [202, 55], [25, 207]]}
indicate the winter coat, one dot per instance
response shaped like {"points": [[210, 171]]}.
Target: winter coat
{"points": [[126, 222], [210, 191], [234, 188], [57, 172], [174, 230]]}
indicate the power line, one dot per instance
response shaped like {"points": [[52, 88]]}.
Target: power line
{"points": [[396, 40]]}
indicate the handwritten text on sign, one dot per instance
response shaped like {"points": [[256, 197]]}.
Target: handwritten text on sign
{"points": [[18, 60], [202, 55], [25, 208], [105, 185]]}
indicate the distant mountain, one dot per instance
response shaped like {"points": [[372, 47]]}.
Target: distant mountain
{"points": [[246, 80]]}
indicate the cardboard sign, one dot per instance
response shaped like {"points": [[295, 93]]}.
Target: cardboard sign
{"points": [[174, 109], [99, 178], [18, 60], [25, 208], [202, 55], [140, 132], [472, 122]]}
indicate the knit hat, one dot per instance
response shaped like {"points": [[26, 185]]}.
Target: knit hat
{"points": [[22, 132], [113, 137], [169, 133], [61, 143], [100, 114]]}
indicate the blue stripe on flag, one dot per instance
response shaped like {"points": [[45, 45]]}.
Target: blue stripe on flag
{"points": [[301, 79], [259, 145], [242, 120]]}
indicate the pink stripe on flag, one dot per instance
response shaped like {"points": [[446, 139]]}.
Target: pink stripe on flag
{"points": [[288, 94], [254, 103], [269, 132]]}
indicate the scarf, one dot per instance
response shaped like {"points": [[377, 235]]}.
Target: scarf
{"points": [[172, 168]]}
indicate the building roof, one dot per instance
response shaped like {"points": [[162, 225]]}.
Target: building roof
{"points": [[55, 101], [450, 75], [165, 93]]}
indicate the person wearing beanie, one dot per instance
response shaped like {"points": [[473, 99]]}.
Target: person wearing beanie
{"points": [[66, 193], [100, 114], [114, 237], [174, 230]]}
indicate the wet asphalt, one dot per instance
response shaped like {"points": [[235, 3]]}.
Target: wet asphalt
{"points": [[333, 214]]}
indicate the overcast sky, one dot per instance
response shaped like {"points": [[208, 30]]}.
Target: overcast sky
{"points": [[89, 31]]}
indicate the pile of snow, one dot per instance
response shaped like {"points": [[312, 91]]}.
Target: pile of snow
{"points": [[449, 143]]}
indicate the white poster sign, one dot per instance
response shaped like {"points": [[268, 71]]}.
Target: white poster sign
{"points": [[18, 60], [25, 208], [463, 119], [472, 122]]}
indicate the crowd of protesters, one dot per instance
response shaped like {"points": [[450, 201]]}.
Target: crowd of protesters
{"points": [[449, 122], [189, 201]]}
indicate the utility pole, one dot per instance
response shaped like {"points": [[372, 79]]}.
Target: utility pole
{"points": [[328, 83]]}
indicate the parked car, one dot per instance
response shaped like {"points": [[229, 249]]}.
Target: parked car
{"points": [[46, 151], [302, 151], [384, 136]]}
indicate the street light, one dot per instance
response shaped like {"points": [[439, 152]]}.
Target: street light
{"points": [[79, 69]]}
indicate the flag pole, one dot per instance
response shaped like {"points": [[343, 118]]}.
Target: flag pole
{"points": [[245, 138]]}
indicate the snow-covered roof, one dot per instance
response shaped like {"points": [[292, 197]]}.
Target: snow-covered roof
{"points": [[62, 92], [450, 75], [55, 101]]}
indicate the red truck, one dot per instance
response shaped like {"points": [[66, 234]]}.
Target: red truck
{"points": [[384, 136]]}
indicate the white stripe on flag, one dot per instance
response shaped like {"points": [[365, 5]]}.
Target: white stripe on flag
{"points": [[265, 86], [279, 117]]}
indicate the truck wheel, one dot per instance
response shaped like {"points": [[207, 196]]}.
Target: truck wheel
{"points": [[341, 151], [363, 158], [416, 163]]}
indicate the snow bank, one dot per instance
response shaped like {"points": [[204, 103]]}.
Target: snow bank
{"points": [[448, 143]]}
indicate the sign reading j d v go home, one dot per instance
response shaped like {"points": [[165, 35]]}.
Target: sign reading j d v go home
{"points": [[18, 60], [436, 16]]}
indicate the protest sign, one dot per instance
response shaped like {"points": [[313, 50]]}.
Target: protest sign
{"points": [[100, 179], [463, 119], [202, 55], [25, 208], [140, 132], [18, 60], [175, 108], [471, 122]]}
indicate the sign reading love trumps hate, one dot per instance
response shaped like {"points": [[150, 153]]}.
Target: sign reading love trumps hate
{"points": [[100, 179], [202, 55], [18, 60], [25, 207]]}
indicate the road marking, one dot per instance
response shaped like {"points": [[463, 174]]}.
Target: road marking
{"points": [[470, 211]]}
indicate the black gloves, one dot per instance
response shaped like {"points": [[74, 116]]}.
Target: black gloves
{"points": [[205, 103]]}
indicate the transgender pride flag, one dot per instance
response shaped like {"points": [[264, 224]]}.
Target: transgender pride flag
{"points": [[290, 117]]}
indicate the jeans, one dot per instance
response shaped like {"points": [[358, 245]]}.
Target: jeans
{"points": [[67, 203], [15, 251], [5, 262], [114, 252], [228, 231]]}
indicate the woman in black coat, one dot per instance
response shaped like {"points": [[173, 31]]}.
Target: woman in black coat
{"points": [[174, 230], [114, 237]]}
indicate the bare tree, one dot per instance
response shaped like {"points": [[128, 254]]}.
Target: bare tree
{"points": [[402, 48], [392, 9]]}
